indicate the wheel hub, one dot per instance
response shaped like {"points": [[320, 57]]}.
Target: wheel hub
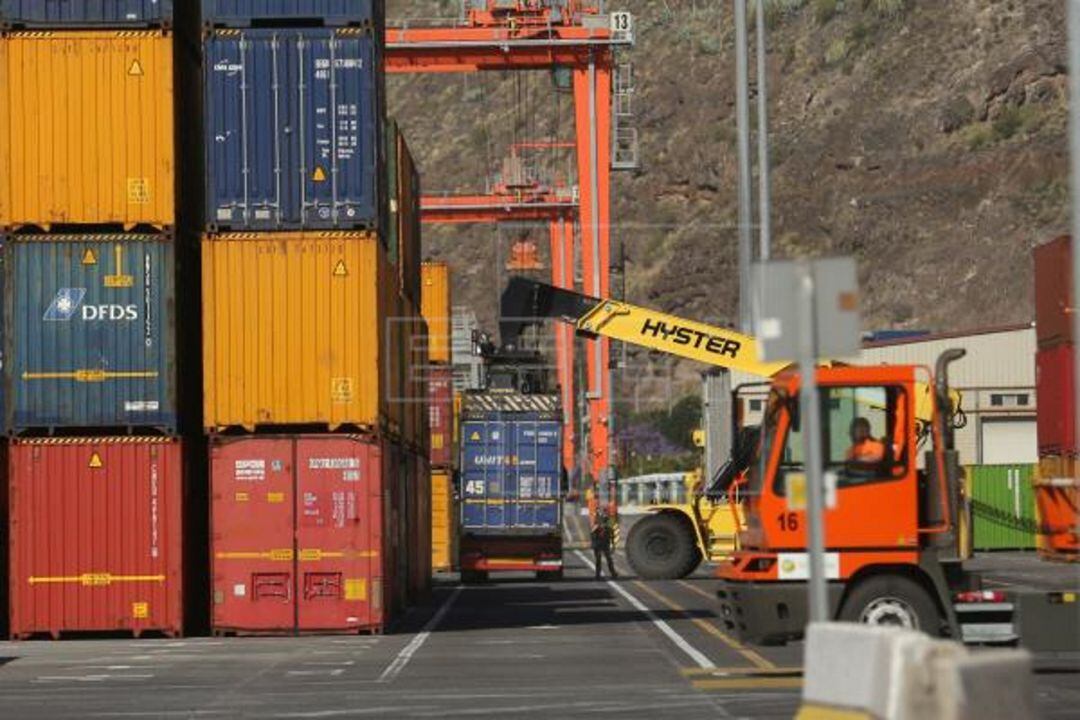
{"points": [[659, 545], [890, 611]]}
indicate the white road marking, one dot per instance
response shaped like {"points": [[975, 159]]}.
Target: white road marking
{"points": [[93, 678], [332, 673], [406, 654], [693, 653], [345, 663]]}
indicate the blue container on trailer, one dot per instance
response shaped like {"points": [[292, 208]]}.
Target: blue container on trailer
{"points": [[511, 468], [86, 13], [89, 332], [252, 13], [292, 130]]}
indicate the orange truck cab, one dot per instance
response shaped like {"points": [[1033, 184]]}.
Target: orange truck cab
{"points": [[892, 524]]}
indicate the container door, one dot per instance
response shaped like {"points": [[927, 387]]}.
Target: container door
{"points": [[537, 475], [253, 543], [484, 475], [338, 502], [337, 140]]}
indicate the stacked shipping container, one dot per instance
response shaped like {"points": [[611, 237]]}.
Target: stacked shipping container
{"points": [[436, 308], [88, 219], [1057, 490], [317, 437]]}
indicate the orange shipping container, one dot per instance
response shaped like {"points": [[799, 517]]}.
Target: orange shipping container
{"points": [[435, 306], [294, 330], [86, 128], [443, 522]]}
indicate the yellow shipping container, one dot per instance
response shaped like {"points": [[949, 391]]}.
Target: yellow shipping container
{"points": [[436, 308], [443, 522], [86, 128], [293, 329]]}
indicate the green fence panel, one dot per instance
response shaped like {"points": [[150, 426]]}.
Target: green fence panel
{"points": [[1003, 507]]}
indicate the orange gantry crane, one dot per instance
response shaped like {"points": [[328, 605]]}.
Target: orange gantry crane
{"points": [[545, 35]]}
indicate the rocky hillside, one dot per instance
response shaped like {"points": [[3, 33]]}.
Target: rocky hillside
{"points": [[927, 138]]}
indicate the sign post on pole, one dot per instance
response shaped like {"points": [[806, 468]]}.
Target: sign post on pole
{"points": [[805, 311]]}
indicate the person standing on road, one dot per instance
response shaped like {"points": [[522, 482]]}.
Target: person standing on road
{"points": [[602, 539]]}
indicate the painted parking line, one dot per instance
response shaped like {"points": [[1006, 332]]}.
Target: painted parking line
{"points": [[744, 672], [693, 653], [394, 668], [756, 659]]}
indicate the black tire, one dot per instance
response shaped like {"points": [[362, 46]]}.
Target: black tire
{"points": [[892, 600], [549, 575], [662, 547]]}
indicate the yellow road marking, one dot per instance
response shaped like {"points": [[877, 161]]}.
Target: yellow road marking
{"points": [[748, 683], [711, 629], [696, 589]]}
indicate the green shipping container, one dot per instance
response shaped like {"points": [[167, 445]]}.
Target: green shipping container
{"points": [[1003, 507]]}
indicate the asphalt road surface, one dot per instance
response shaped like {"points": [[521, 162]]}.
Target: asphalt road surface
{"points": [[514, 648]]}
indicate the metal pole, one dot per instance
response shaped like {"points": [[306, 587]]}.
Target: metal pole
{"points": [[742, 119], [594, 206], [810, 418], [1074, 146], [764, 190]]}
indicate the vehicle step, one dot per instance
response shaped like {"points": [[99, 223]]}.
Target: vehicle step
{"points": [[988, 633]]}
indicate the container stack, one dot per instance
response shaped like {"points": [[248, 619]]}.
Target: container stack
{"points": [[436, 309], [88, 225], [1057, 487], [311, 327]]}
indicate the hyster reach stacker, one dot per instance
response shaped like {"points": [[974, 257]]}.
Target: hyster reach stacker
{"points": [[893, 532]]}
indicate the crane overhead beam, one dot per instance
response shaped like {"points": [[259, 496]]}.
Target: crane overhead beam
{"points": [[469, 49], [467, 209]]}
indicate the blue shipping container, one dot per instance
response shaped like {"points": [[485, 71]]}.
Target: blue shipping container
{"points": [[89, 327], [245, 13], [292, 130], [86, 13], [510, 475]]}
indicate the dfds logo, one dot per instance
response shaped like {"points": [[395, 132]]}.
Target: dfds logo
{"points": [[68, 301]]}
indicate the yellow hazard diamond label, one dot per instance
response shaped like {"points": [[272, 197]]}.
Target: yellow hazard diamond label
{"points": [[95, 461], [341, 269], [437, 442], [135, 69], [89, 257], [275, 497], [475, 436], [140, 610], [319, 175]]}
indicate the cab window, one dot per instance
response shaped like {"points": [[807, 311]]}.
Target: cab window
{"points": [[863, 436]]}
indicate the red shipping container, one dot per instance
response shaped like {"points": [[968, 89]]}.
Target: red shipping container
{"points": [[1053, 293], [441, 414], [297, 534], [1054, 388], [95, 536]]}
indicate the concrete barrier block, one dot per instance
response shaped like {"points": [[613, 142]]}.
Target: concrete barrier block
{"points": [[849, 665], [987, 685], [913, 688]]}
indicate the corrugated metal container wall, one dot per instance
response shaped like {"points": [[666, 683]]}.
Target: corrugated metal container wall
{"points": [[245, 13], [95, 535], [89, 331], [1053, 292], [292, 127], [419, 528], [440, 382], [1003, 507], [297, 534], [435, 305], [1055, 388], [408, 215], [394, 327], [293, 329], [76, 13], [390, 179], [86, 129], [443, 522], [396, 527]]}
